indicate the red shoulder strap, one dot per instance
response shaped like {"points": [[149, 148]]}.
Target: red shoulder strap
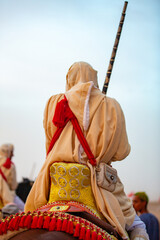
{"points": [[62, 115], [3, 176]]}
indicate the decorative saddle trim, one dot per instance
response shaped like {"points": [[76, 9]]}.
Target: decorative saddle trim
{"points": [[67, 206], [54, 221]]}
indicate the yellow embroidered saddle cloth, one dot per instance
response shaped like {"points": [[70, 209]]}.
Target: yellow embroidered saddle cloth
{"points": [[70, 188]]}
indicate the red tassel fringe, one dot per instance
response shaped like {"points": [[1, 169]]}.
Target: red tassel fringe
{"points": [[23, 218], [34, 222], [99, 236], [4, 227], [78, 227], [77, 230], [82, 233], [16, 223], [94, 235], [70, 227], [52, 224], [40, 222], [46, 222], [1, 226], [64, 225], [88, 234], [28, 222], [59, 224], [10, 226]]}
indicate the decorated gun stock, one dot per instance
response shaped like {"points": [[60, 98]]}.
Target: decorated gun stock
{"points": [[110, 67]]}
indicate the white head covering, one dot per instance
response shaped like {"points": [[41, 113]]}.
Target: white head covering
{"points": [[6, 149]]}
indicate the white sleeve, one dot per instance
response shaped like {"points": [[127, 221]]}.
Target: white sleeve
{"points": [[137, 230], [138, 223]]}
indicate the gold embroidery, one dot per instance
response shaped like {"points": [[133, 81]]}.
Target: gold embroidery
{"points": [[62, 193], [61, 170], [52, 170], [85, 172], [74, 193], [74, 183], [85, 182], [62, 182], [53, 180], [74, 171]]}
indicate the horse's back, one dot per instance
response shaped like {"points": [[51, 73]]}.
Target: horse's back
{"points": [[41, 234]]}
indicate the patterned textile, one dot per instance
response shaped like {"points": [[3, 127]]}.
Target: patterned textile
{"points": [[71, 182]]}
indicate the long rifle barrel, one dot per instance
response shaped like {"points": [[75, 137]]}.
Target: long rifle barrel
{"points": [[110, 67]]}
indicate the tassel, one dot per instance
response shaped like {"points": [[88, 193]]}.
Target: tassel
{"points": [[52, 224], [88, 234], [64, 225], [70, 226], [94, 235], [82, 232], [59, 224], [10, 226], [4, 227], [23, 218], [99, 236], [1, 226], [77, 230], [46, 222], [34, 222], [40, 222], [16, 222], [28, 222]]}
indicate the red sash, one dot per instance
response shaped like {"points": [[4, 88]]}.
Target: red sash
{"points": [[62, 115], [8, 163], [3, 176]]}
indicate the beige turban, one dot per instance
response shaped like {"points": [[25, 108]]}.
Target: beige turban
{"points": [[6, 150]]}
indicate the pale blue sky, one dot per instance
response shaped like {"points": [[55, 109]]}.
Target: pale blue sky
{"points": [[39, 40]]}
